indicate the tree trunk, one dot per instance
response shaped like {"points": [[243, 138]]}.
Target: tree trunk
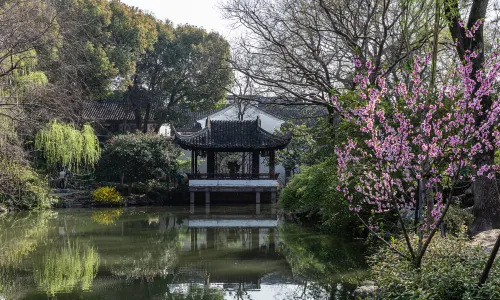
{"points": [[136, 105], [486, 198], [147, 117], [486, 194]]}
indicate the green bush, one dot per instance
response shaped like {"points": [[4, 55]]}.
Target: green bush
{"points": [[151, 188], [450, 270], [107, 195], [23, 188], [313, 194], [137, 158]]}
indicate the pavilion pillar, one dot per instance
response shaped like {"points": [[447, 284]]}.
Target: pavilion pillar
{"points": [[272, 163], [255, 165], [196, 162], [210, 164], [243, 163], [192, 162]]}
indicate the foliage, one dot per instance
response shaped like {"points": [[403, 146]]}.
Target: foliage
{"points": [[313, 193], [415, 144], [450, 271], [23, 188], [152, 188], [20, 84], [107, 195], [17, 243], [184, 165], [100, 44], [107, 217], [147, 156], [187, 66], [458, 220], [64, 146], [73, 266], [301, 151], [328, 261], [283, 57]]}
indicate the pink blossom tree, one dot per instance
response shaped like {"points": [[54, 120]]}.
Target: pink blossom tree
{"points": [[419, 144]]}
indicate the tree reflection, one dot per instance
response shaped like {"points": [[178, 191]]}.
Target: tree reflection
{"points": [[64, 269], [147, 247], [328, 267], [20, 236], [146, 254]]}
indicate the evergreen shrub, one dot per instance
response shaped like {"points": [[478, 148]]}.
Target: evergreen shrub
{"points": [[312, 195]]}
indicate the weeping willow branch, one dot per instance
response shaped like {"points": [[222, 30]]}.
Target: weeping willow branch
{"points": [[65, 146]]}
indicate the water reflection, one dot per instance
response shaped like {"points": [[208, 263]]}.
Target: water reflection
{"points": [[65, 267], [171, 253]]}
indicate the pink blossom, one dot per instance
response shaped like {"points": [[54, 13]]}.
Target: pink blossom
{"points": [[412, 140]]}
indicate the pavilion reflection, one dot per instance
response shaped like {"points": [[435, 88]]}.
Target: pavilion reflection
{"points": [[229, 249]]}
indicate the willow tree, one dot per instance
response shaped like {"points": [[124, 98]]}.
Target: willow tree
{"points": [[65, 146]]}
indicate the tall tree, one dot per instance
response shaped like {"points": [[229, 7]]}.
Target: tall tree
{"points": [[304, 50], [486, 193], [101, 42], [187, 65], [26, 29]]}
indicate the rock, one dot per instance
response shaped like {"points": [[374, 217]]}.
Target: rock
{"points": [[408, 215], [486, 239], [366, 289]]}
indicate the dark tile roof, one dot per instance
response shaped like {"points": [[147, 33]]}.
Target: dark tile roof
{"points": [[286, 110], [106, 111], [298, 114], [185, 119], [232, 135], [114, 110]]}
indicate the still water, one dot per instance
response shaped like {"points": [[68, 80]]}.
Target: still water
{"points": [[171, 253]]}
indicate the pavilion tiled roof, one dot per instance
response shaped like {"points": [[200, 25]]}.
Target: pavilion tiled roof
{"points": [[232, 136]]}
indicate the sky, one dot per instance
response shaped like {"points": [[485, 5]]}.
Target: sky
{"points": [[201, 13]]}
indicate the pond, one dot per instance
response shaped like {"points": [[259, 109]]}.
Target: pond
{"points": [[172, 253]]}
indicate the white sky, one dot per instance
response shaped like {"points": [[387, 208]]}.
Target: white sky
{"points": [[201, 13]]}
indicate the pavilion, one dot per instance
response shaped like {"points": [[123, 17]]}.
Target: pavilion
{"points": [[232, 150]]}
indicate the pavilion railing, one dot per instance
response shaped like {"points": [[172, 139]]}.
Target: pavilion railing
{"points": [[236, 176]]}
